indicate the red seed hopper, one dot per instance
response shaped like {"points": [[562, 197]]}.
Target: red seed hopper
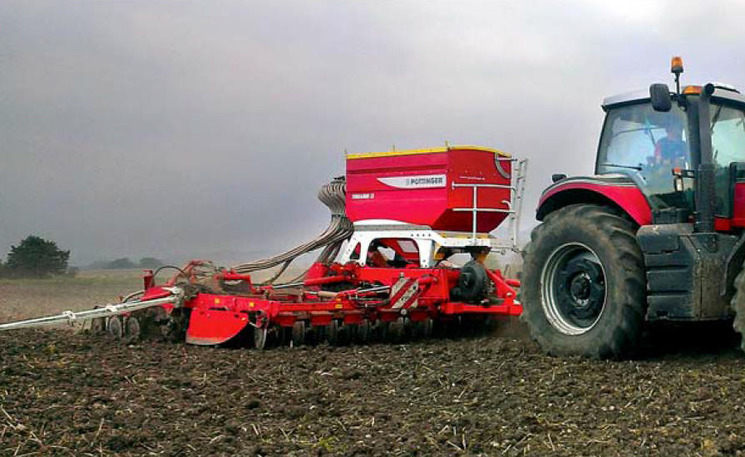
{"points": [[431, 187]]}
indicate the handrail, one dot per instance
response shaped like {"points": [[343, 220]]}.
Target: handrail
{"points": [[514, 205]]}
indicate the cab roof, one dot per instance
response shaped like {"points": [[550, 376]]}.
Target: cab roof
{"points": [[639, 96]]}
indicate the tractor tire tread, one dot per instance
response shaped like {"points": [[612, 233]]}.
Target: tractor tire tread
{"points": [[607, 226], [738, 306]]}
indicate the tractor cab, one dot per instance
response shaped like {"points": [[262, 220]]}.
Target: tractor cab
{"points": [[646, 146], [660, 148]]}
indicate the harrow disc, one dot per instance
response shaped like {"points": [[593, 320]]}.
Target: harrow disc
{"points": [[260, 337], [98, 326], [393, 332], [421, 330], [152, 322], [284, 336], [332, 333], [363, 333], [314, 335], [131, 329], [115, 327], [345, 334], [298, 333], [173, 328]]}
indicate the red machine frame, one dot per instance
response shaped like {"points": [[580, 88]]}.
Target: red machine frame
{"points": [[218, 318]]}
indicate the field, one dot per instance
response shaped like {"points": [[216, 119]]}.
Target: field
{"points": [[25, 298], [66, 393]]}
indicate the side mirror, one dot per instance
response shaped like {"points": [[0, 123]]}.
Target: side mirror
{"points": [[660, 96], [678, 183], [678, 175]]}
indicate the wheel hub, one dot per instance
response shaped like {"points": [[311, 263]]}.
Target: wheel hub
{"points": [[573, 289], [580, 288]]}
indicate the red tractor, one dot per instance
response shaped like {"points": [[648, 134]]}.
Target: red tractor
{"points": [[656, 234]]}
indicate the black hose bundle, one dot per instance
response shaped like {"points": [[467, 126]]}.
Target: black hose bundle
{"points": [[340, 228]]}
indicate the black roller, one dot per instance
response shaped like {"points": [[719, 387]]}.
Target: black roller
{"points": [[473, 283]]}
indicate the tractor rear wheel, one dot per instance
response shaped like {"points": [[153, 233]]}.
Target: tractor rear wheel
{"points": [[583, 289], [738, 306]]}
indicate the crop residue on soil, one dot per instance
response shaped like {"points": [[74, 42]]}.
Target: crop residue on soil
{"points": [[71, 394]]}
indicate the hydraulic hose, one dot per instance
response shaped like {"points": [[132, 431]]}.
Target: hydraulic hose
{"points": [[340, 228]]}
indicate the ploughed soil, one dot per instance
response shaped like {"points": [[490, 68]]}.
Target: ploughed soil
{"points": [[74, 394]]}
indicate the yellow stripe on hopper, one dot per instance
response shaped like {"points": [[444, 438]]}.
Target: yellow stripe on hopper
{"points": [[409, 152]]}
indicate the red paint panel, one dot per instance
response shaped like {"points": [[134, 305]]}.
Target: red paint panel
{"points": [[510, 308], [371, 193], [722, 224], [738, 219], [629, 198], [211, 326]]}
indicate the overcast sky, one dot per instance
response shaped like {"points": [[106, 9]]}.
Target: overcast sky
{"points": [[183, 129]]}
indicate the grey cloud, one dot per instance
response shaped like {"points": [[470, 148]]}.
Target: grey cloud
{"points": [[184, 128]]}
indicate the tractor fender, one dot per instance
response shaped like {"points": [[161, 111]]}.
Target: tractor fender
{"points": [[617, 191]]}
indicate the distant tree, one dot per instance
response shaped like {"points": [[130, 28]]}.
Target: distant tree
{"points": [[36, 257], [122, 263], [150, 262]]}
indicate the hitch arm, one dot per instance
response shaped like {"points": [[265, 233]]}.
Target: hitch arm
{"points": [[176, 297]]}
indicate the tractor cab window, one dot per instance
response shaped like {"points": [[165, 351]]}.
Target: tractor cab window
{"points": [[647, 145], [727, 146]]}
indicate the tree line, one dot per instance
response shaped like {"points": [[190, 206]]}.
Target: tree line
{"points": [[35, 257], [125, 263]]}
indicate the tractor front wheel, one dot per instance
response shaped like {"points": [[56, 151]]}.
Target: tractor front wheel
{"points": [[583, 289]]}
